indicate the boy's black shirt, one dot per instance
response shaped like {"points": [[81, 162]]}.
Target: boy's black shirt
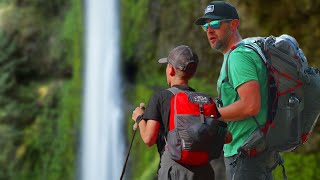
{"points": [[158, 109]]}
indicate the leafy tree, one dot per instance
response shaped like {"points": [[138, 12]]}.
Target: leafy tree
{"points": [[40, 95]]}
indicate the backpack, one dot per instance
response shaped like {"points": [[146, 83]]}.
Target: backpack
{"points": [[293, 95], [195, 135]]}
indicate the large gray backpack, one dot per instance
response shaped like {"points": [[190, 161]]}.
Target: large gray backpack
{"points": [[294, 93]]}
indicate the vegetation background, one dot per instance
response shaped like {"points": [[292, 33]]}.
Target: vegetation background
{"points": [[41, 50]]}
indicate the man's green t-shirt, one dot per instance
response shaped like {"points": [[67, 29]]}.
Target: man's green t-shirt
{"points": [[243, 65]]}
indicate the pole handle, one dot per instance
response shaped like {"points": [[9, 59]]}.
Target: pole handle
{"points": [[135, 126]]}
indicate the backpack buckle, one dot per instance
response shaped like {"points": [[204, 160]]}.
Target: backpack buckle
{"points": [[201, 113], [219, 102]]}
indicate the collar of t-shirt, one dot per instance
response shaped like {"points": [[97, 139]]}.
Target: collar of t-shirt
{"points": [[184, 87]]}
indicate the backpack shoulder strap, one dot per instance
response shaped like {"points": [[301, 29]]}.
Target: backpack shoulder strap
{"points": [[258, 51], [174, 90]]}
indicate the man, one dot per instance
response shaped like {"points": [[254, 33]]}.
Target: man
{"points": [[181, 66], [243, 92]]}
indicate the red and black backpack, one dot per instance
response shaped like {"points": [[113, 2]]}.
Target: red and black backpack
{"points": [[195, 134]]}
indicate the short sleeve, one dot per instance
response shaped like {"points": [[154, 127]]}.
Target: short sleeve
{"points": [[153, 109], [242, 67]]}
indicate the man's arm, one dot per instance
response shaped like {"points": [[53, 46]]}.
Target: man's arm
{"points": [[248, 105], [148, 129]]}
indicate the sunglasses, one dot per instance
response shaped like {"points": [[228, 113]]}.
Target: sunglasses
{"points": [[214, 24]]}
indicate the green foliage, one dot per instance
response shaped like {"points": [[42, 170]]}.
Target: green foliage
{"points": [[43, 52], [133, 16], [46, 8], [65, 143], [7, 143], [297, 18], [12, 109], [203, 85], [39, 119], [299, 166]]}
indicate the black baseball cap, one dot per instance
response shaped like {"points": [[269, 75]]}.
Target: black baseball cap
{"points": [[180, 57], [217, 10]]}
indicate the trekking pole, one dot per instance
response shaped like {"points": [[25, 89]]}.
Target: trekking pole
{"points": [[135, 126]]}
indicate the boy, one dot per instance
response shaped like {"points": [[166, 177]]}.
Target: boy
{"points": [[181, 66]]}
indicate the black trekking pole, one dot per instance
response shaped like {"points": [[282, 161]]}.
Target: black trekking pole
{"points": [[135, 126]]}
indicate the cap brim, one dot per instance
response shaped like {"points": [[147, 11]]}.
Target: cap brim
{"points": [[163, 61], [202, 20]]}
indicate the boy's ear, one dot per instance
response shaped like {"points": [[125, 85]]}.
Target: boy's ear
{"points": [[172, 71]]}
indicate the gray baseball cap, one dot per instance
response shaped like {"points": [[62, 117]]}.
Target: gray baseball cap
{"points": [[180, 57]]}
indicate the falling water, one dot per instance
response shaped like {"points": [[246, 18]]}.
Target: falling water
{"points": [[102, 148]]}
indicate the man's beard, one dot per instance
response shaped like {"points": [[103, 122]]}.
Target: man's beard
{"points": [[222, 44]]}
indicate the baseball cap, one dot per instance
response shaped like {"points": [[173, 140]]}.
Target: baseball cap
{"points": [[180, 57], [217, 10]]}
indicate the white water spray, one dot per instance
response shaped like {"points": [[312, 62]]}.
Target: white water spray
{"points": [[102, 146]]}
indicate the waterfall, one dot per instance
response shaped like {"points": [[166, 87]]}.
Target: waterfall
{"points": [[102, 146]]}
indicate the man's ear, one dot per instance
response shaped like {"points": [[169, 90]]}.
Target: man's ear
{"points": [[235, 24]]}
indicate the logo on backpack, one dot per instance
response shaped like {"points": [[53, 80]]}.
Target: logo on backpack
{"points": [[195, 135], [293, 93]]}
